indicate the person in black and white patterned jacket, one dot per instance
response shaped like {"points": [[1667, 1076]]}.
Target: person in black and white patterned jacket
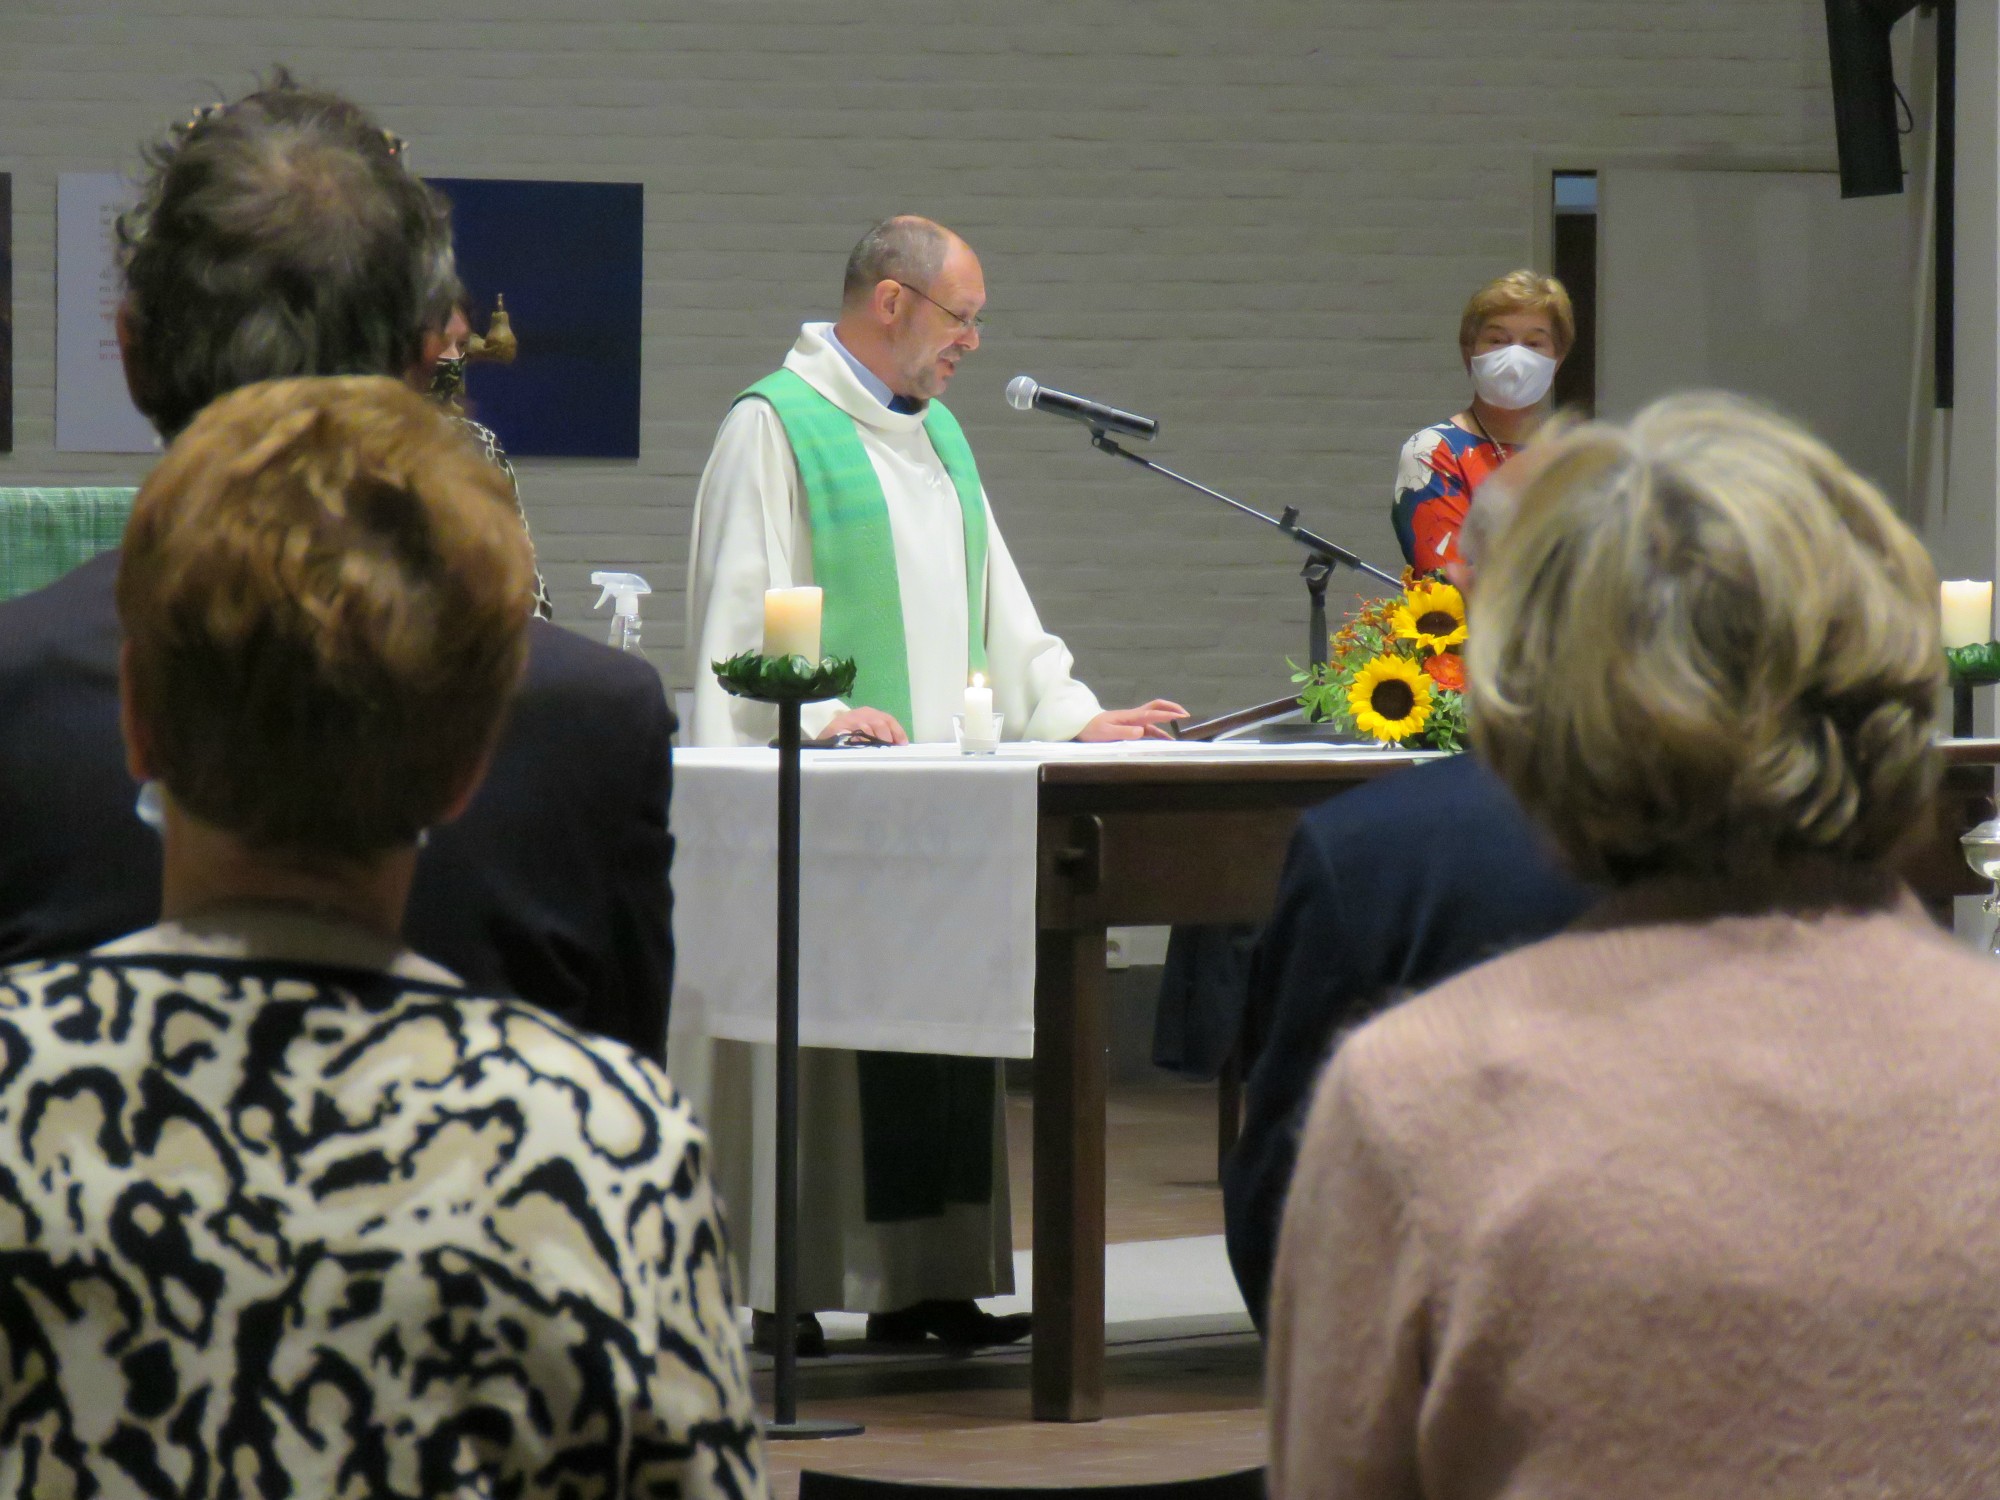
{"points": [[284, 1209]]}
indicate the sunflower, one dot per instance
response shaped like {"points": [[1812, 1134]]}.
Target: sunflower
{"points": [[1390, 698], [1432, 615]]}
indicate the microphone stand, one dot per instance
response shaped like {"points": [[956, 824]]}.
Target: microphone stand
{"points": [[1323, 558]]}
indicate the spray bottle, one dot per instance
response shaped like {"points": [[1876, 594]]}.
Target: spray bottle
{"points": [[626, 589]]}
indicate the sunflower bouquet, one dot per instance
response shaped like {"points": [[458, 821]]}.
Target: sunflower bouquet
{"points": [[1394, 672]]}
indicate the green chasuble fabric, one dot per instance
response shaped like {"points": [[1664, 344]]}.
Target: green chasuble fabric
{"points": [[854, 557], [926, 1120]]}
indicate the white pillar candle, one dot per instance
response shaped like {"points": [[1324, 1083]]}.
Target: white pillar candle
{"points": [[979, 710], [1967, 608], [791, 623]]}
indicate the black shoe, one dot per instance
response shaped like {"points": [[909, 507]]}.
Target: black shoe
{"points": [[959, 1325], [810, 1340]]}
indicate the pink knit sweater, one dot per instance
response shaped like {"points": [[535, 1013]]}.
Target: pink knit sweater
{"points": [[1699, 1200]]}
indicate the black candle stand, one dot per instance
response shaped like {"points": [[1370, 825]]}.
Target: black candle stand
{"points": [[790, 682]]}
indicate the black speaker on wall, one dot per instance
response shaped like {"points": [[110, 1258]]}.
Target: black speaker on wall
{"points": [[1864, 94]]}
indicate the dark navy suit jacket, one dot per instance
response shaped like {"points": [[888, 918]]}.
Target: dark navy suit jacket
{"points": [[552, 886], [1387, 890]]}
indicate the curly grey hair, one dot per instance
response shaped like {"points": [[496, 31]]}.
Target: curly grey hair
{"points": [[280, 234]]}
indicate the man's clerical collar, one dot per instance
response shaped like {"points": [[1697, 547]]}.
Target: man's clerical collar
{"points": [[872, 383]]}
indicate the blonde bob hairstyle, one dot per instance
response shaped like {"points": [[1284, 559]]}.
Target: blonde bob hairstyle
{"points": [[1706, 647], [325, 592], [1516, 292]]}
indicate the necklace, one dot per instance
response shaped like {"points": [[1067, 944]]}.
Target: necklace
{"points": [[1473, 413]]}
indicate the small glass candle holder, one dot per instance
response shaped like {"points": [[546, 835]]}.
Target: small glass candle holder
{"points": [[1982, 852], [971, 744]]}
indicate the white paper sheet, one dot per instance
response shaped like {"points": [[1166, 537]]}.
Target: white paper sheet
{"points": [[94, 413]]}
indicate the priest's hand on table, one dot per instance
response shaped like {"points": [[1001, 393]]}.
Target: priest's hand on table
{"points": [[1132, 723], [869, 721]]}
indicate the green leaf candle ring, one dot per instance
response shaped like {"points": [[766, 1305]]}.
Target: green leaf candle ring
{"points": [[785, 679], [1974, 665]]}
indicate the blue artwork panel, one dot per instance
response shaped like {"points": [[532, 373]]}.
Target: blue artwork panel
{"points": [[567, 259]]}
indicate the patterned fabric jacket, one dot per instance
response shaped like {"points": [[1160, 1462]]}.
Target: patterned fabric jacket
{"points": [[271, 1230]]}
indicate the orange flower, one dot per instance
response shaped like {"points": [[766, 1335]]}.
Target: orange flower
{"points": [[1447, 670]]}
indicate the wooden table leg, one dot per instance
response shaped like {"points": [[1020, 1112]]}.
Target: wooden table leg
{"points": [[1070, 1075]]}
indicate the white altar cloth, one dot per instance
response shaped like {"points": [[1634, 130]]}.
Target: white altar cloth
{"points": [[917, 902]]}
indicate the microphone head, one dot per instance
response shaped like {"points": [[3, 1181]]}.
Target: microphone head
{"points": [[1021, 392]]}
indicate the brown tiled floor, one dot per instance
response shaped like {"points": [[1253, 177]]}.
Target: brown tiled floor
{"points": [[1172, 1409]]}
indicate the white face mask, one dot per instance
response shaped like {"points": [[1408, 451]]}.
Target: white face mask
{"points": [[1512, 377]]}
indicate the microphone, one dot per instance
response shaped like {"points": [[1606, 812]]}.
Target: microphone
{"points": [[1024, 392]]}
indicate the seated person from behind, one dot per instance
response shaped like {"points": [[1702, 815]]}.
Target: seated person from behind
{"points": [[288, 1204], [284, 234], [1696, 1197], [1513, 337], [1387, 889]]}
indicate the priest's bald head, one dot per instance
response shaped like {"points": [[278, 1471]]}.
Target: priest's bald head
{"points": [[910, 304]]}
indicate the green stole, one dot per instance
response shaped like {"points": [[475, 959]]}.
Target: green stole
{"points": [[854, 556], [926, 1120]]}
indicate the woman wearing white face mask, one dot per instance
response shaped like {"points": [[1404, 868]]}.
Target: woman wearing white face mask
{"points": [[1513, 336]]}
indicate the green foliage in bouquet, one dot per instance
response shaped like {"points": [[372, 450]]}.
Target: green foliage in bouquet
{"points": [[1394, 672]]}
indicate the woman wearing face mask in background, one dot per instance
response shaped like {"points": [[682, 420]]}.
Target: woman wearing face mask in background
{"points": [[1513, 336]]}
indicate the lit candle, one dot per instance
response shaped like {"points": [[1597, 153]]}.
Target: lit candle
{"points": [[979, 710], [791, 623], [1968, 612]]}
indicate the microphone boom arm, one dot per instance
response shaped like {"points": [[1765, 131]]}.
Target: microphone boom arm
{"points": [[1319, 567], [1288, 523]]}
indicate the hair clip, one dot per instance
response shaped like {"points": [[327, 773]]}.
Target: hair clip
{"points": [[201, 117], [396, 144]]}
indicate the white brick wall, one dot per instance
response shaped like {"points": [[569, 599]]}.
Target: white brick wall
{"points": [[1256, 221]]}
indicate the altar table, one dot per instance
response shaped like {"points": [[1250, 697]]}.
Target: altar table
{"points": [[1120, 836]]}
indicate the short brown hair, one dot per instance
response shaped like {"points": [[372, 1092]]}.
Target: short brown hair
{"points": [[1519, 291], [325, 593], [1705, 646]]}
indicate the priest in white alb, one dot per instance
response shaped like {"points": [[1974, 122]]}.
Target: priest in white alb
{"points": [[842, 469]]}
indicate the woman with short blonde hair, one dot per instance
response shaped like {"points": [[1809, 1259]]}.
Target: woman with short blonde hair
{"points": [[1705, 646], [286, 1204], [1514, 334], [1697, 1196]]}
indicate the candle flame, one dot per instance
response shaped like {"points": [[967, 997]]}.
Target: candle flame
{"points": [[979, 679]]}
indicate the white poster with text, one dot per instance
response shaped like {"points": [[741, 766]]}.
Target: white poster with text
{"points": [[94, 414]]}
